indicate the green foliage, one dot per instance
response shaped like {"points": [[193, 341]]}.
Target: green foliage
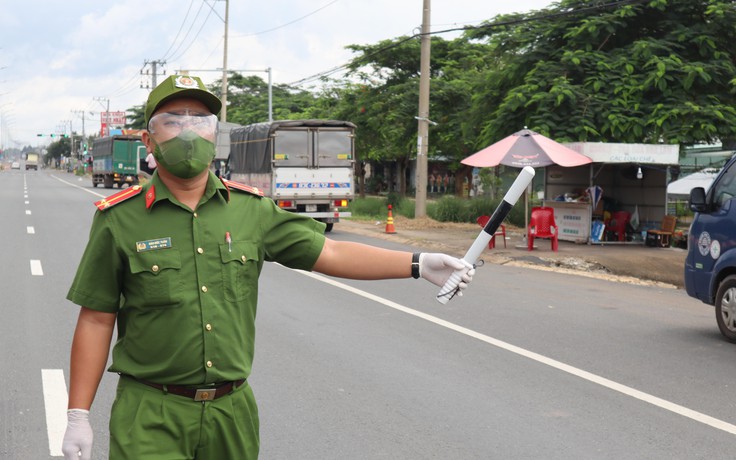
{"points": [[658, 71], [248, 100], [650, 72], [136, 117], [449, 209], [369, 207], [393, 199]]}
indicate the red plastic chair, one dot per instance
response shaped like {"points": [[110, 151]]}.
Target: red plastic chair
{"points": [[617, 225], [542, 225], [482, 221]]}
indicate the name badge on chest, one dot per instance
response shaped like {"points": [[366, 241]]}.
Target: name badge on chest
{"points": [[152, 245]]}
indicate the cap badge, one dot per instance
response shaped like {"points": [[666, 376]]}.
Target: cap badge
{"points": [[185, 82]]}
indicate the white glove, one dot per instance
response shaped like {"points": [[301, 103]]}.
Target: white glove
{"points": [[437, 268], [78, 436]]}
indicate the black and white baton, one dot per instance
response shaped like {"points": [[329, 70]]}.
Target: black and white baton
{"points": [[522, 181]]}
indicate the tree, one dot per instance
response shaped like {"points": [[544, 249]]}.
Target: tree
{"points": [[648, 71], [248, 100], [136, 117], [386, 100]]}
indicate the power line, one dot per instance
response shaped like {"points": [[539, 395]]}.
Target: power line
{"points": [[288, 23], [180, 29], [614, 4]]}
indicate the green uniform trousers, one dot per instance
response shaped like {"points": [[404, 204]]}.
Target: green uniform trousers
{"points": [[148, 424]]}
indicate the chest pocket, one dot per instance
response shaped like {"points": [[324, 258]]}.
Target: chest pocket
{"points": [[239, 269], [156, 275]]}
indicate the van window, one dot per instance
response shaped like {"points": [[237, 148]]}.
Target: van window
{"points": [[725, 189]]}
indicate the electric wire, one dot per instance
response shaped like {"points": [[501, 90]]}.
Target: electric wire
{"points": [[288, 23], [493, 25], [186, 16]]}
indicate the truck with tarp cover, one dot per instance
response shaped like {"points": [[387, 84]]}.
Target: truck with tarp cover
{"points": [[305, 166], [116, 160]]}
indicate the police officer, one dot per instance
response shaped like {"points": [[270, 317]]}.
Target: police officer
{"points": [[176, 264]]}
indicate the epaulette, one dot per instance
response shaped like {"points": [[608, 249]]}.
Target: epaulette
{"points": [[119, 197], [242, 187]]}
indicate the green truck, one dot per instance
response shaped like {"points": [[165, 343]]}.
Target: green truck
{"points": [[116, 160]]}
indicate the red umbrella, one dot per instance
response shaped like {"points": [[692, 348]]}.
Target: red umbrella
{"points": [[526, 148]]}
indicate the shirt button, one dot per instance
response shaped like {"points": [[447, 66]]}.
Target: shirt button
{"points": [[195, 215], [243, 258], [200, 250], [155, 268], [204, 288], [209, 363], [208, 327]]}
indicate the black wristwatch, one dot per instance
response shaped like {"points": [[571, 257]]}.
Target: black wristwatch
{"points": [[415, 265]]}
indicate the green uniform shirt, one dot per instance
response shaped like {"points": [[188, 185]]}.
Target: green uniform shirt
{"points": [[184, 296]]}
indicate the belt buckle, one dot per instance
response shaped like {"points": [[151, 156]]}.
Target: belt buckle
{"points": [[205, 394]]}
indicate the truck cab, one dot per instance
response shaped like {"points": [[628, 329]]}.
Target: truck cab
{"points": [[710, 265]]}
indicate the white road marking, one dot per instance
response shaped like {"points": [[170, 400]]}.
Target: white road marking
{"points": [[593, 378], [79, 187], [28, 212], [30, 230], [36, 269], [27, 202], [55, 398]]}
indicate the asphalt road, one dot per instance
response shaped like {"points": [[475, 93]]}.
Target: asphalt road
{"points": [[527, 364]]}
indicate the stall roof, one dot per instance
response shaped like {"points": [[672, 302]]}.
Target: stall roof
{"points": [[604, 152], [703, 178]]}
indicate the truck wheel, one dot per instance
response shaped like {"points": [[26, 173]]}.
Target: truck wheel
{"points": [[726, 308], [329, 227], [108, 182]]}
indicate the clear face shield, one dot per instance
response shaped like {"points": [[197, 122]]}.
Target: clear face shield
{"points": [[165, 126], [184, 141]]}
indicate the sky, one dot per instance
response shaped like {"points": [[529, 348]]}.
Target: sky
{"points": [[64, 62]]}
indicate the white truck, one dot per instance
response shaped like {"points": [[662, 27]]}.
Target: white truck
{"points": [[305, 166], [32, 161]]}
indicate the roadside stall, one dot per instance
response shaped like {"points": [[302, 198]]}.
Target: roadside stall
{"points": [[632, 179]]}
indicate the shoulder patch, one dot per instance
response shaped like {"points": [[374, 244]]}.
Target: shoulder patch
{"points": [[242, 187], [119, 197]]}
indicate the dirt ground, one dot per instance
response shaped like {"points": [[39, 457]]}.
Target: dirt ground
{"points": [[624, 262]]}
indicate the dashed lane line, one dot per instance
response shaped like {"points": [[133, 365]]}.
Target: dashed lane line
{"points": [[55, 398], [36, 269]]}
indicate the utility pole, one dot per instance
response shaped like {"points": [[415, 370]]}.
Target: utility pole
{"points": [[107, 114], [223, 112], [153, 73], [420, 209], [84, 135]]}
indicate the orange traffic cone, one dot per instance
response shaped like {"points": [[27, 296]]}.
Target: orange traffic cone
{"points": [[390, 222]]}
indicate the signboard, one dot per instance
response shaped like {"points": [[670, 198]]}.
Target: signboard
{"points": [[112, 118], [606, 152]]}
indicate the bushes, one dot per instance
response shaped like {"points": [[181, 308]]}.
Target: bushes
{"points": [[446, 209]]}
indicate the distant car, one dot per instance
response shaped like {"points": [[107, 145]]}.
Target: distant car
{"points": [[15, 165]]}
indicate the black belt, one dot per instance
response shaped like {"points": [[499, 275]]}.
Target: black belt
{"points": [[207, 393]]}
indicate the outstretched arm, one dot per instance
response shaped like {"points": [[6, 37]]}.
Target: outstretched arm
{"points": [[362, 262]]}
